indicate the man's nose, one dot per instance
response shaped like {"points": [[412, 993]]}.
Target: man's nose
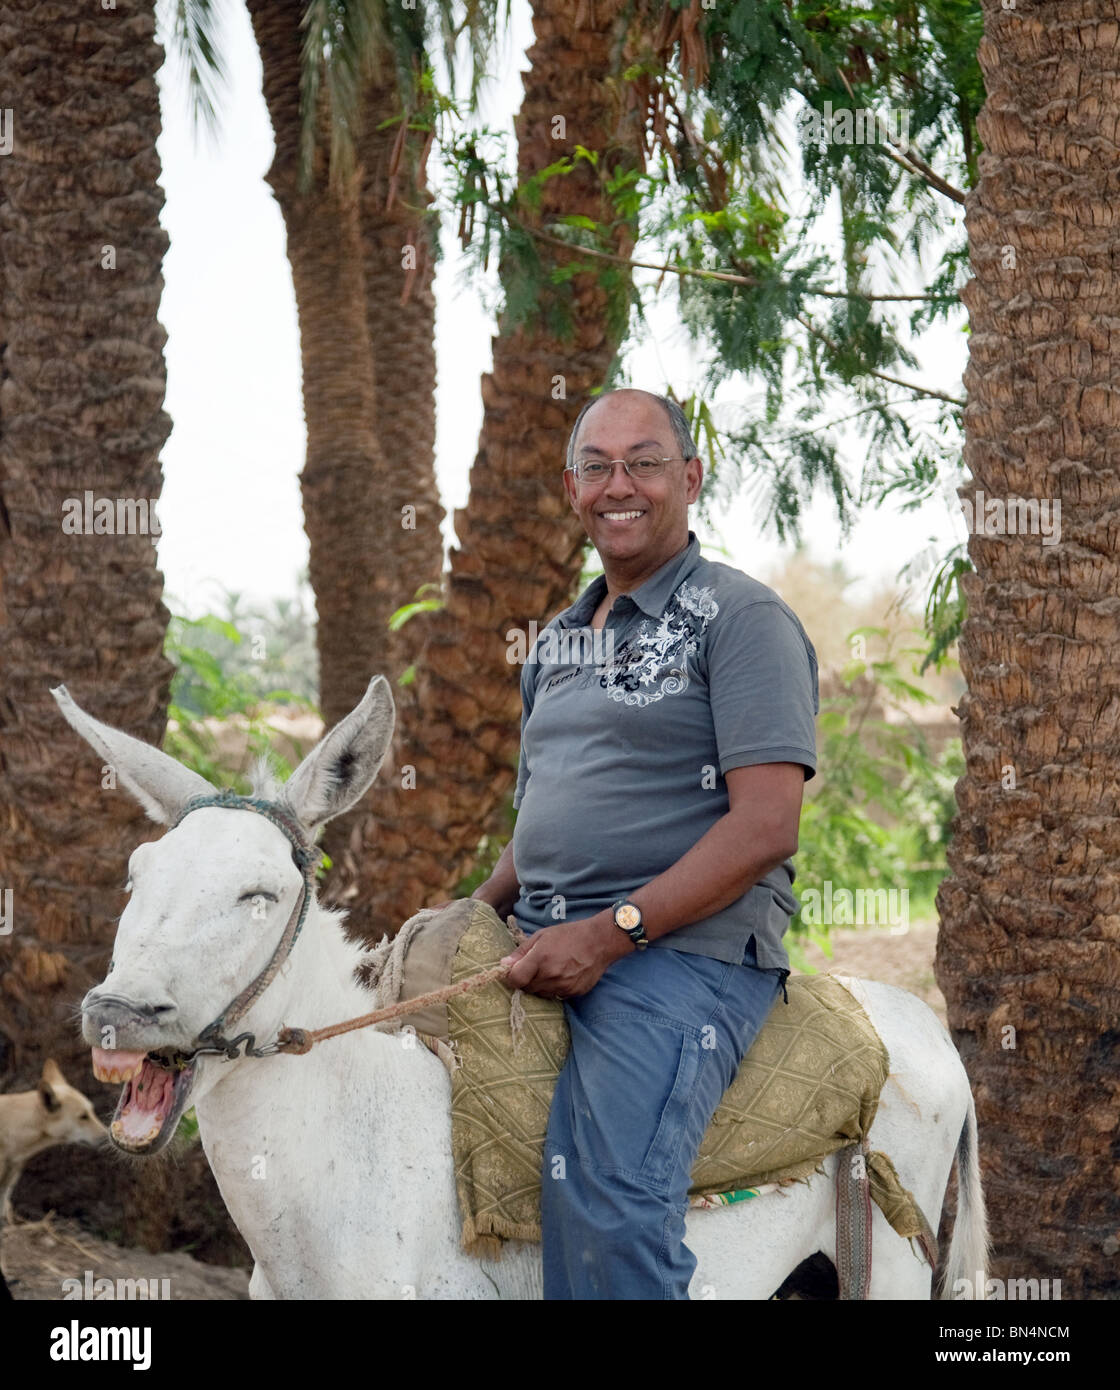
{"points": [[620, 483]]}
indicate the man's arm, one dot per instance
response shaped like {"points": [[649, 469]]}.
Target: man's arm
{"points": [[501, 890], [758, 833]]}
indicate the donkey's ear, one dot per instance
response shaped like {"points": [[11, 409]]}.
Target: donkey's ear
{"points": [[160, 783], [336, 773]]}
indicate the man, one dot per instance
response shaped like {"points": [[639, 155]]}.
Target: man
{"points": [[667, 732]]}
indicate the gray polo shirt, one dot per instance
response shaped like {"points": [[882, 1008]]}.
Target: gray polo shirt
{"points": [[626, 735]]}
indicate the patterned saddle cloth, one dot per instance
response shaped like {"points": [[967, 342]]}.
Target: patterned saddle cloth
{"points": [[809, 1085]]}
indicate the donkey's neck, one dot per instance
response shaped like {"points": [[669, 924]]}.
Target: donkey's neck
{"points": [[336, 1165]]}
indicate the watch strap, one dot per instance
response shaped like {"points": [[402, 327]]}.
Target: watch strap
{"points": [[635, 930]]}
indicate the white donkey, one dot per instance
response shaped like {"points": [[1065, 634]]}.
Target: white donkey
{"points": [[337, 1165]]}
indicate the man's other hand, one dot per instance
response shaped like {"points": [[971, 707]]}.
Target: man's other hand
{"points": [[567, 960]]}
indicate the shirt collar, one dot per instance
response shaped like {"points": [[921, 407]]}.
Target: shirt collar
{"points": [[651, 597]]}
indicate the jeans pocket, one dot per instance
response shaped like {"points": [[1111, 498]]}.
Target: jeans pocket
{"points": [[658, 1167]]}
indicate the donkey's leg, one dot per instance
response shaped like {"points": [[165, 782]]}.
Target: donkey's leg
{"points": [[898, 1270]]}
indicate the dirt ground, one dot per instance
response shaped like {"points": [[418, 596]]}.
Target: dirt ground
{"points": [[872, 953], [37, 1256]]}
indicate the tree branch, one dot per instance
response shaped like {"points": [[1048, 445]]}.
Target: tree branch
{"points": [[882, 376], [908, 158], [723, 275]]}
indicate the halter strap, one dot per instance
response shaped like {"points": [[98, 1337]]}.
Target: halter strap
{"points": [[306, 857]]}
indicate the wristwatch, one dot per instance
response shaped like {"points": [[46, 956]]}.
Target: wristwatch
{"points": [[628, 918]]}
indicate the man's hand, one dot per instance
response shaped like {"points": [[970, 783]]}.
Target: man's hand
{"points": [[566, 960]]}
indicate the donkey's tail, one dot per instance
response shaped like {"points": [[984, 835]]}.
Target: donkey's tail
{"points": [[966, 1269]]}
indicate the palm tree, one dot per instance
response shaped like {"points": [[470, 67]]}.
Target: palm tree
{"points": [[1027, 950], [343, 512], [81, 412], [519, 547], [400, 323], [352, 193]]}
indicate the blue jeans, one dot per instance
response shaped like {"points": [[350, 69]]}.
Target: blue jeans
{"points": [[655, 1044]]}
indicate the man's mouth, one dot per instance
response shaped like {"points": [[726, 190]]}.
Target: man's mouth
{"points": [[618, 517], [154, 1095]]}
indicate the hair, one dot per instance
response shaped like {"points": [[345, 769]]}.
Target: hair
{"points": [[681, 433]]}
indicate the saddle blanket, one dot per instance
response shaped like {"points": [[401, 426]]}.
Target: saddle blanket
{"points": [[809, 1085]]}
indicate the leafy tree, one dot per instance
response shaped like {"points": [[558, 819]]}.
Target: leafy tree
{"points": [[777, 230]]}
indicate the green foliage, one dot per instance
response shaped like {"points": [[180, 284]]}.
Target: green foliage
{"points": [[489, 851], [187, 1129], [782, 297], [408, 611], [879, 814], [946, 607], [225, 667], [191, 30]]}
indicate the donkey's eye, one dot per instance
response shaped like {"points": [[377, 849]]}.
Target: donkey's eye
{"points": [[258, 893]]}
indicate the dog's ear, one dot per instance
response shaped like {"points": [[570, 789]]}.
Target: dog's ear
{"points": [[50, 1102], [52, 1073]]}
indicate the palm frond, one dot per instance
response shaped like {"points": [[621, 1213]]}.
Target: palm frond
{"points": [[190, 30], [348, 41]]}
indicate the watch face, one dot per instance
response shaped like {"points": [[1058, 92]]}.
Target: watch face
{"points": [[627, 916]]}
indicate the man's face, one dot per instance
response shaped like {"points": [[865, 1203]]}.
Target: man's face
{"points": [[627, 519]]}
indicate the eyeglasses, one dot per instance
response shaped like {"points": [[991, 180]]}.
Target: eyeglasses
{"points": [[597, 470]]}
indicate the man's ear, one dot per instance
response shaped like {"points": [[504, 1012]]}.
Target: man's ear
{"points": [[694, 476], [570, 487]]}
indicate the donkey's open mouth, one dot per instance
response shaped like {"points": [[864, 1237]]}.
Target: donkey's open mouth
{"points": [[156, 1089]]}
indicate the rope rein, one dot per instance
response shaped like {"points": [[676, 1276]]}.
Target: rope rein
{"points": [[300, 1040]]}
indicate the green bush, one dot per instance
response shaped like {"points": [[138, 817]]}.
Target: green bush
{"points": [[879, 815]]}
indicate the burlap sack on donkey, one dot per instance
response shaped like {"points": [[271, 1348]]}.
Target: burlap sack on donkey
{"points": [[809, 1085]]}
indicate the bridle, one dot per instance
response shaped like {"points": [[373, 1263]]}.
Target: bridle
{"points": [[306, 858], [298, 1041]]}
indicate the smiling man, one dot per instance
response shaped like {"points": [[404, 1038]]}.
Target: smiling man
{"points": [[658, 798]]}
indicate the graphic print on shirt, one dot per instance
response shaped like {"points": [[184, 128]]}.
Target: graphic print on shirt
{"points": [[658, 652]]}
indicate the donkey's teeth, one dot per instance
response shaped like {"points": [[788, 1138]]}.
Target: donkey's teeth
{"points": [[113, 1065]]}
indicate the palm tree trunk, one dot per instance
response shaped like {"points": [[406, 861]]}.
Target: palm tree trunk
{"points": [[81, 410], [401, 324], [371, 505], [519, 545], [347, 526], [402, 532], [1027, 953], [82, 382]]}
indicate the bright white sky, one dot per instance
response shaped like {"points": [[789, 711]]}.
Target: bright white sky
{"points": [[231, 512]]}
